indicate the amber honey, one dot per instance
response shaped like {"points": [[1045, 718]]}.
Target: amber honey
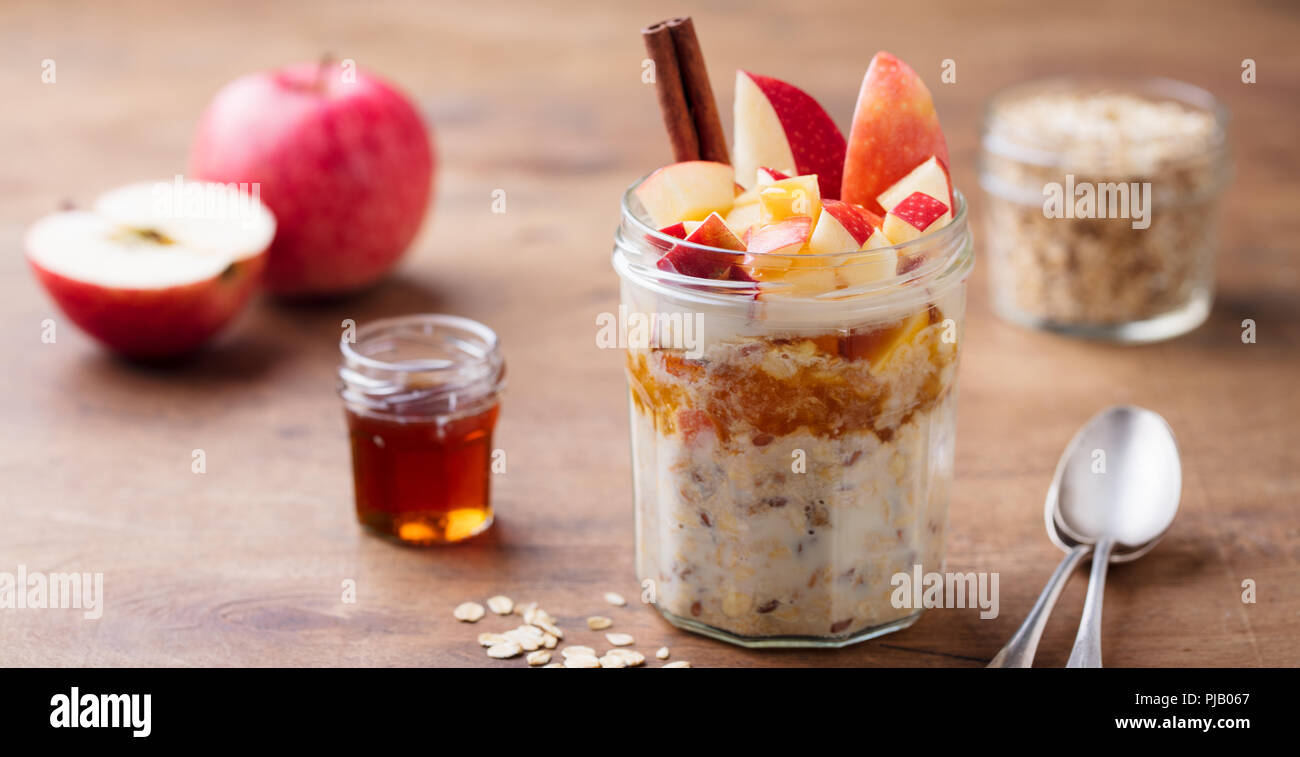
{"points": [[423, 481], [421, 401]]}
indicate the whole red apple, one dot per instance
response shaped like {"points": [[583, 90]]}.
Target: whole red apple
{"points": [[343, 159]]}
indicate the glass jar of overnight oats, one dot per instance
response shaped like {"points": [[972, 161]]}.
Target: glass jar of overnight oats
{"points": [[792, 439], [1102, 205]]}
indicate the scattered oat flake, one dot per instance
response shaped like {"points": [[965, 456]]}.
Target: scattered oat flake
{"points": [[599, 622], [492, 639], [678, 664], [504, 651], [468, 612], [581, 661], [578, 650], [620, 639], [501, 604], [540, 657], [554, 665], [632, 657], [663, 653], [526, 641], [525, 608], [612, 661], [537, 616], [550, 641], [615, 599], [549, 628]]}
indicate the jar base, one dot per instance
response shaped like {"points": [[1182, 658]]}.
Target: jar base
{"points": [[428, 529], [1159, 328], [789, 642]]}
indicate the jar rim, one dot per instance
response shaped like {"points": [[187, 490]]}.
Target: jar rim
{"points": [[431, 365], [998, 139]]}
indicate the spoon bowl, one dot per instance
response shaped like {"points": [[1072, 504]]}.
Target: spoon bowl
{"points": [[1121, 477]]}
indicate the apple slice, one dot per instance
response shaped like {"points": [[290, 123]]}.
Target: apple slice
{"points": [[706, 264], [842, 227], [895, 128], [795, 196], [783, 238], [917, 214], [687, 191], [931, 178], [155, 269], [781, 127]]}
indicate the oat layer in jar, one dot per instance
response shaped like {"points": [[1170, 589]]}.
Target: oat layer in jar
{"points": [[1101, 205], [792, 448]]}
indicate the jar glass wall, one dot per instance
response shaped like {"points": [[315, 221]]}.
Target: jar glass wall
{"points": [[792, 449]]}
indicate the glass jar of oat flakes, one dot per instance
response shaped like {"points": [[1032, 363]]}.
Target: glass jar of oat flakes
{"points": [[1101, 205]]}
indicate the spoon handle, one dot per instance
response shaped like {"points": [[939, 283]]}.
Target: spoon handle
{"points": [[1087, 644], [1019, 652]]}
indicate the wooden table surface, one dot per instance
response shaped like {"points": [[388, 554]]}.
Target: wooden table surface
{"points": [[244, 564]]}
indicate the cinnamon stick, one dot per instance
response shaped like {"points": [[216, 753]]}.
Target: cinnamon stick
{"points": [[692, 77], [672, 94]]}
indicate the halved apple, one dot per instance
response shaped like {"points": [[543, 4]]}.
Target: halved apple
{"points": [[895, 128], [916, 214], [780, 127], [931, 178], [687, 191], [155, 269]]}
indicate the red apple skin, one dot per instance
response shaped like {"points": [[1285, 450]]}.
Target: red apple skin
{"points": [[155, 324], [706, 264], [856, 219], [895, 129], [347, 168], [817, 143]]}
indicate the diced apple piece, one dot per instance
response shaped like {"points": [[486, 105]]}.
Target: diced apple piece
{"points": [[782, 128], [768, 176], [895, 128], [801, 282], [705, 264], [917, 214], [876, 265], [842, 227], [930, 178], [675, 230], [783, 238], [796, 196], [687, 191], [744, 217]]}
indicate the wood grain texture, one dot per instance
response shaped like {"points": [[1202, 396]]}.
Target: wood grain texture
{"points": [[243, 565]]}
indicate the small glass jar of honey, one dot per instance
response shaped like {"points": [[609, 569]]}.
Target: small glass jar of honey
{"points": [[421, 395]]}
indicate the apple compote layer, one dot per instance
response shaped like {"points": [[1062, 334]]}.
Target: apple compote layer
{"points": [[782, 480]]}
